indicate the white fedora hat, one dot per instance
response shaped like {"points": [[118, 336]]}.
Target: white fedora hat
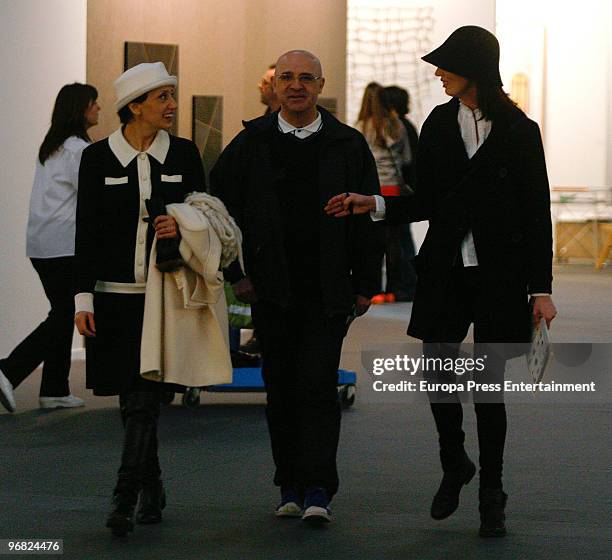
{"points": [[141, 79]]}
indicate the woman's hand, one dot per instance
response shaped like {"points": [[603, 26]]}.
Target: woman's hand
{"points": [[543, 308], [165, 227], [347, 203], [85, 324]]}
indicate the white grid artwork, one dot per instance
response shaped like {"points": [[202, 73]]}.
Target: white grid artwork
{"points": [[385, 44]]}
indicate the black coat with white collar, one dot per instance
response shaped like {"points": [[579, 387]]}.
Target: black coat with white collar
{"points": [[110, 208], [502, 196]]}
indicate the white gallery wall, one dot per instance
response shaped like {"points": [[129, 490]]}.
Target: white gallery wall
{"points": [[43, 47], [576, 116]]}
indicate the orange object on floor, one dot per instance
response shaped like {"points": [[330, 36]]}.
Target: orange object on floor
{"points": [[377, 299], [390, 298]]}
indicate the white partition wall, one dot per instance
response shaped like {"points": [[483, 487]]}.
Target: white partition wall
{"points": [[43, 47], [573, 81]]}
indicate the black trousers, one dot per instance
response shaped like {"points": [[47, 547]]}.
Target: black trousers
{"points": [[393, 259], [301, 352], [408, 273], [463, 307], [51, 341]]}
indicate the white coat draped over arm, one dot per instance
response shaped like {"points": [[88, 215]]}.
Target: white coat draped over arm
{"points": [[185, 331]]}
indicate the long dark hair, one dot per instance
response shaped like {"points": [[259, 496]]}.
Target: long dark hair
{"points": [[68, 118], [493, 101], [396, 98]]}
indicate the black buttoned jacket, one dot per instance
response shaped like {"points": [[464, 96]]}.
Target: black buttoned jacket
{"points": [[108, 214], [502, 196], [245, 176]]}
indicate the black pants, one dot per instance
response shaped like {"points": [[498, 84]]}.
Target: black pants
{"points": [[408, 273], [301, 351], [463, 307], [393, 259], [51, 341]]}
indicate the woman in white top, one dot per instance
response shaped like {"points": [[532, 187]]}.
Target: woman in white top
{"points": [[50, 247], [389, 144]]}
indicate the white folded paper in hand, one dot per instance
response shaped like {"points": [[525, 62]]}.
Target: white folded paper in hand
{"points": [[539, 352]]}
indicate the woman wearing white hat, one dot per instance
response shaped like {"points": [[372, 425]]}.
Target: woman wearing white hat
{"points": [[138, 162]]}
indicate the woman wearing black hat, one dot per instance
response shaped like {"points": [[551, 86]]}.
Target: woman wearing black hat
{"points": [[483, 186]]}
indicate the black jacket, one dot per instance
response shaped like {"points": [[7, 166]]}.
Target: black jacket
{"points": [[112, 244], [502, 195], [350, 250]]}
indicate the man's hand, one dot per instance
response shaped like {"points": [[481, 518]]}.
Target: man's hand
{"points": [[85, 324], [346, 204], [165, 227], [543, 308], [244, 290], [362, 304]]}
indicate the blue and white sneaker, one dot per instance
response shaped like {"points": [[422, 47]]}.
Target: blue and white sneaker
{"points": [[290, 504], [316, 506]]}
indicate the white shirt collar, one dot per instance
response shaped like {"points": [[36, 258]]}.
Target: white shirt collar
{"points": [[125, 153], [309, 129], [471, 113]]}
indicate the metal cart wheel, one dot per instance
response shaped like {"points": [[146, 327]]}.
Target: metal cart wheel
{"points": [[191, 397], [346, 394], [166, 397]]}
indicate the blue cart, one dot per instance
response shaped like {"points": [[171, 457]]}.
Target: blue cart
{"points": [[249, 380]]}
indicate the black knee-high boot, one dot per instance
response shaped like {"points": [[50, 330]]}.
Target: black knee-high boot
{"points": [[139, 412], [153, 495]]}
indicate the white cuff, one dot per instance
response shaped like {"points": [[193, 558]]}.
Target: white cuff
{"points": [[536, 295], [378, 214], [83, 302]]}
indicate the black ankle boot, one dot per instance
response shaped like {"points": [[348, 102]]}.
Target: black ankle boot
{"points": [[152, 502], [120, 519], [492, 515], [446, 500]]}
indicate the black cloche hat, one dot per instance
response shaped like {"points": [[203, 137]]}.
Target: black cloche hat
{"points": [[471, 52]]}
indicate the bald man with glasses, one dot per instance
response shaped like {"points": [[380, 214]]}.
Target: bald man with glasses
{"points": [[306, 273]]}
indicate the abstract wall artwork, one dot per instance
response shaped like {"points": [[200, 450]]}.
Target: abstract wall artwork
{"points": [[385, 44], [136, 53], [207, 128]]}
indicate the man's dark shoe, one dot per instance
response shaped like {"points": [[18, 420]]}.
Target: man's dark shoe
{"points": [[120, 519], [446, 500], [152, 502], [492, 516], [316, 506]]}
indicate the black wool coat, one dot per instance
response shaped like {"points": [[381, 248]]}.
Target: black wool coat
{"points": [[350, 250], [502, 195]]}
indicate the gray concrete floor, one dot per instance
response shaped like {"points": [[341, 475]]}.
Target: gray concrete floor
{"points": [[58, 469]]}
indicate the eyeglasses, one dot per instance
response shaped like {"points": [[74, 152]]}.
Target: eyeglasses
{"points": [[287, 78]]}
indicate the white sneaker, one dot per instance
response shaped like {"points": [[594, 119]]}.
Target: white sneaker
{"points": [[69, 401], [7, 398], [316, 514], [289, 509]]}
